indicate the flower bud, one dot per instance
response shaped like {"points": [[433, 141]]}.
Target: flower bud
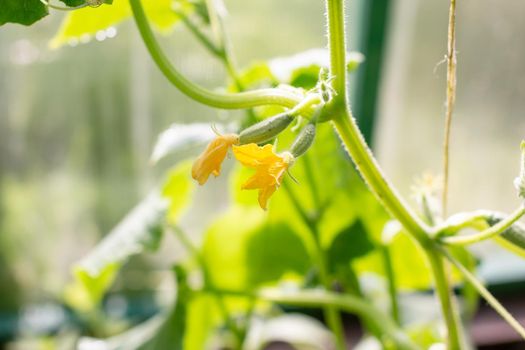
{"points": [[266, 129], [304, 140]]}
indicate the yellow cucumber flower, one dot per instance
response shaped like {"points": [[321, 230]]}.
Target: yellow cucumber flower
{"points": [[209, 162], [269, 168]]}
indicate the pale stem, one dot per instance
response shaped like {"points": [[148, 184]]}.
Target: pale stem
{"points": [[500, 309], [451, 98]]}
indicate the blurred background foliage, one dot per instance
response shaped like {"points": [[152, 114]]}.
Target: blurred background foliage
{"points": [[78, 125]]}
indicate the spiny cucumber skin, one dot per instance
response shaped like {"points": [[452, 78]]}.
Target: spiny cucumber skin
{"points": [[304, 140], [266, 129]]}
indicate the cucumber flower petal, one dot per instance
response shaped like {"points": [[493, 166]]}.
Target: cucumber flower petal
{"points": [[209, 162], [269, 166]]}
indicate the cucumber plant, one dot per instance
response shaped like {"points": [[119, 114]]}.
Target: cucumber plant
{"points": [[326, 218]]}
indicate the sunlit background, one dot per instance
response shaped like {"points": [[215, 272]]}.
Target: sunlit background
{"points": [[77, 127]]}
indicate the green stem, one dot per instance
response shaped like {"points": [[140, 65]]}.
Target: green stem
{"points": [[491, 232], [371, 172], [348, 303], [476, 220], [448, 303], [198, 33], [310, 177], [485, 294], [183, 238], [392, 287], [215, 99], [332, 315], [337, 44], [352, 137], [373, 175]]}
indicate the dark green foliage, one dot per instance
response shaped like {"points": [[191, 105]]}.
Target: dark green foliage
{"points": [[351, 243], [24, 12], [73, 3]]}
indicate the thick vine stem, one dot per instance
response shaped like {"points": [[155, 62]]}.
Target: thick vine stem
{"points": [[371, 172], [240, 100], [350, 134]]}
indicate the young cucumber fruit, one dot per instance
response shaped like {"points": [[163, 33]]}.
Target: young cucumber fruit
{"points": [[266, 129], [304, 140]]}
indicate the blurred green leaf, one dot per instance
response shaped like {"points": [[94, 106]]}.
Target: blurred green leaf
{"points": [[304, 66], [180, 138], [305, 77], [140, 230], [73, 3], [178, 189], [354, 60], [257, 75], [86, 22], [242, 250], [202, 318], [158, 333], [352, 242], [24, 12], [171, 333]]}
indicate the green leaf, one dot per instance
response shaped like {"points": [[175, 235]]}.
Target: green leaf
{"points": [[73, 3], [86, 22], [178, 189], [179, 139], [305, 77], [243, 250], [257, 75], [140, 230], [304, 66], [171, 333], [203, 317], [164, 331], [351, 243], [24, 12]]}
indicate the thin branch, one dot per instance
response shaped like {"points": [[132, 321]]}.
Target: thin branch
{"points": [[241, 100], [491, 232], [500, 309], [451, 99]]}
